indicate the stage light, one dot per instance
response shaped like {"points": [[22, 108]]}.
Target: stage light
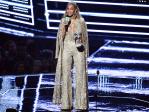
{"points": [[142, 1], [111, 15], [16, 32], [107, 24], [17, 11], [22, 93], [126, 49], [104, 3], [118, 60], [37, 93], [106, 15]]}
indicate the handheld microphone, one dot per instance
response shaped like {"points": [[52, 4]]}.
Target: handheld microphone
{"points": [[67, 22]]}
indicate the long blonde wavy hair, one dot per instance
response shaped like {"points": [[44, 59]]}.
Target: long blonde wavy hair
{"points": [[77, 10]]}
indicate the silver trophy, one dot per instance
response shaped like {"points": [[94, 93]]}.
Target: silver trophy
{"points": [[77, 36]]}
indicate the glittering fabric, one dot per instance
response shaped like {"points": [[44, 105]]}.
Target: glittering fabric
{"points": [[69, 55]]}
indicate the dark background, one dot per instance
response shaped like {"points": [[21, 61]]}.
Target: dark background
{"points": [[26, 54]]}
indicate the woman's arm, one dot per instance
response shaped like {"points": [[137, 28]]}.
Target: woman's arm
{"points": [[60, 36], [85, 37]]}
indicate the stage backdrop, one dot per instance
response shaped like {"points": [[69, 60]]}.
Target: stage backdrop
{"points": [[40, 18]]}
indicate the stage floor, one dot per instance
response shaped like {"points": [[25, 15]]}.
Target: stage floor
{"points": [[121, 85], [33, 93]]}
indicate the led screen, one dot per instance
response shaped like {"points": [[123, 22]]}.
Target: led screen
{"points": [[40, 18]]}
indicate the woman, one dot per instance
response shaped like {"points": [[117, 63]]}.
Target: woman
{"points": [[71, 48]]}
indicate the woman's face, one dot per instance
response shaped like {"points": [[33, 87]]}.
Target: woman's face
{"points": [[70, 10]]}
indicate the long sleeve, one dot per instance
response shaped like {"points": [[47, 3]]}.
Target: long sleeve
{"points": [[58, 39], [58, 76], [85, 37]]}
